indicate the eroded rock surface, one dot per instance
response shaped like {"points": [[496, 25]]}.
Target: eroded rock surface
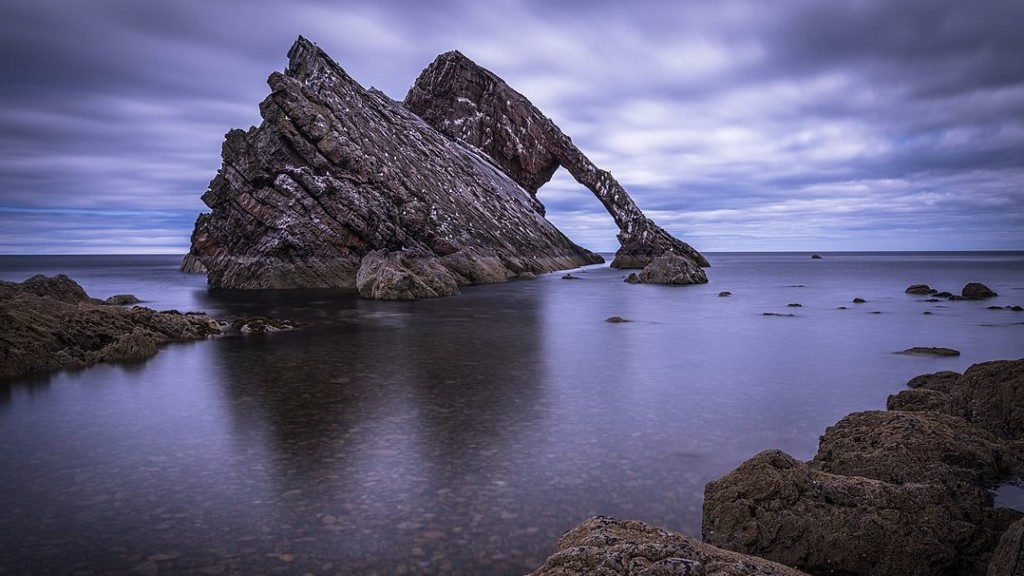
{"points": [[905, 491], [337, 173], [606, 546], [472, 105], [49, 323]]}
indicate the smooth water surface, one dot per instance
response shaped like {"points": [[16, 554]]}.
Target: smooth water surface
{"points": [[460, 435]]}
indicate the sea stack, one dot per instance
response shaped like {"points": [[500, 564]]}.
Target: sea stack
{"points": [[340, 186]]}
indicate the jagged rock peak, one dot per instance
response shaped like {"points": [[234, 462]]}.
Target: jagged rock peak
{"points": [[340, 186], [471, 104]]}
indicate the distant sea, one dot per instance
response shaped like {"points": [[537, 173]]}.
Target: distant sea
{"points": [[460, 435]]}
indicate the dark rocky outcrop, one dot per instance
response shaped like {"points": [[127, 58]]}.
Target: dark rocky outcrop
{"points": [[606, 546], [472, 105], [49, 323], [930, 351], [671, 269], [1008, 559], [977, 291], [920, 289], [341, 186], [778, 508], [905, 491]]}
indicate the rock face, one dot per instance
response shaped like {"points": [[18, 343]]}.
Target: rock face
{"points": [[48, 323], [669, 268], [1008, 559], [606, 546], [472, 105], [341, 186], [903, 491]]}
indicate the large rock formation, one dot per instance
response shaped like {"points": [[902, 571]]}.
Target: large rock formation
{"points": [[473, 105], [48, 323], [905, 491], [341, 186]]}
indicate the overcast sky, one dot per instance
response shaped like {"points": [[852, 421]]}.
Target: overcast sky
{"points": [[784, 125]]}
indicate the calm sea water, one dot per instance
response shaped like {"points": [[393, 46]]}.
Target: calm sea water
{"points": [[460, 435]]}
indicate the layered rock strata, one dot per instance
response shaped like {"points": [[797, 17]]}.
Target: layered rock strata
{"points": [[903, 491], [50, 323], [471, 104], [341, 186]]}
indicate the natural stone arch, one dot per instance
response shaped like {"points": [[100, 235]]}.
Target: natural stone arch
{"points": [[469, 103]]}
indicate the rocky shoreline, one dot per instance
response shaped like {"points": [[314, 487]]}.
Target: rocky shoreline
{"points": [[905, 491], [50, 323]]}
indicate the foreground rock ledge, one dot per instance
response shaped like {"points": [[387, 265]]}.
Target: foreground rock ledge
{"points": [[606, 546], [903, 491], [341, 186], [50, 323]]}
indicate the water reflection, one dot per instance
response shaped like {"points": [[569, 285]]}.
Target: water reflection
{"points": [[387, 431]]}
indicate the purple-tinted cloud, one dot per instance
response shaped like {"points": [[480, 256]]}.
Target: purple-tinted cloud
{"points": [[736, 125]]}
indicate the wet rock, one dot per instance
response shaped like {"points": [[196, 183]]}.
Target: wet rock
{"points": [[781, 509], [859, 300], [815, 256], [902, 447], [991, 395], [1008, 559], [977, 291], [920, 289], [672, 269], [724, 294], [607, 546], [340, 183], [122, 300], [570, 277], [930, 351], [943, 295], [777, 314], [399, 276], [616, 319], [794, 305], [51, 323]]}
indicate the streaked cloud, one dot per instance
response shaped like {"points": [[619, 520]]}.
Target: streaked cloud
{"points": [[737, 125]]}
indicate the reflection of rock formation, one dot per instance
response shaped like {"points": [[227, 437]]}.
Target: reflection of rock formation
{"points": [[471, 104], [367, 393]]}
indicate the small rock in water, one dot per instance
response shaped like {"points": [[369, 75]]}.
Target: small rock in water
{"points": [[815, 256], [570, 277], [794, 305], [920, 289], [724, 293], [122, 300], [977, 290], [616, 319], [776, 314], [859, 300], [930, 351]]}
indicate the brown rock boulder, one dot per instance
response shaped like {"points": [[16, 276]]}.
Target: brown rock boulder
{"points": [[397, 276], [605, 546], [51, 323], [977, 291], [778, 508], [1008, 559], [672, 269], [991, 395], [902, 447]]}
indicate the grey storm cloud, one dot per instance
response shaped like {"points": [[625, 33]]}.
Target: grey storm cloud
{"points": [[790, 125]]}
